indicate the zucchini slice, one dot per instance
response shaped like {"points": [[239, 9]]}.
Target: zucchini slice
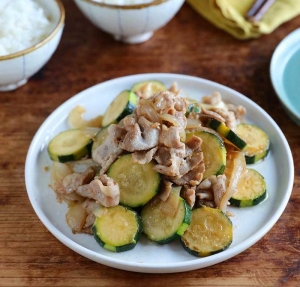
{"points": [[123, 105], [210, 232], [153, 85], [257, 142], [70, 145], [165, 221], [118, 229], [138, 183], [251, 189], [214, 152], [100, 138], [227, 133]]}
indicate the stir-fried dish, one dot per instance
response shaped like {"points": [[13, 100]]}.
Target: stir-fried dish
{"points": [[159, 164]]}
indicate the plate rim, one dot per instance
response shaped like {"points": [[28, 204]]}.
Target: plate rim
{"points": [[159, 267], [282, 48]]}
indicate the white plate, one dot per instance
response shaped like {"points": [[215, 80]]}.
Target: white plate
{"points": [[250, 224]]}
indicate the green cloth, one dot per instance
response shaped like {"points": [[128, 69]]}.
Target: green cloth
{"points": [[229, 15]]}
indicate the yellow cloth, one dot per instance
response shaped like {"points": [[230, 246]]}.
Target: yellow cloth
{"points": [[229, 15]]}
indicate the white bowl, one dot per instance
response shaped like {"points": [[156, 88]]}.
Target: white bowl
{"points": [[130, 23], [17, 68]]}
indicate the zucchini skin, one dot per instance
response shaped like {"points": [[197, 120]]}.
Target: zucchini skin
{"points": [[183, 227], [252, 189], [254, 159], [258, 143], [200, 228], [114, 114], [125, 168], [80, 152], [124, 247], [248, 203], [227, 133]]}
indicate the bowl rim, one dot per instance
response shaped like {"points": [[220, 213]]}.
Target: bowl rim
{"points": [[126, 7], [45, 40]]}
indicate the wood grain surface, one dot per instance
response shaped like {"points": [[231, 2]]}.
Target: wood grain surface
{"points": [[31, 256]]}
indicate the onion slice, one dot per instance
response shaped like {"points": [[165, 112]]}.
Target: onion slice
{"points": [[236, 165]]}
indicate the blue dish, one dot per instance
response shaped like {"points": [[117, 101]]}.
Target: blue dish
{"points": [[285, 74]]}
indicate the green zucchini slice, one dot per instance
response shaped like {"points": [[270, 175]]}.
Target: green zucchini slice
{"points": [[165, 221], [210, 232], [118, 229], [227, 133], [214, 152], [257, 142], [138, 183], [155, 86], [100, 138], [251, 189], [70, 145], [123, 105]]}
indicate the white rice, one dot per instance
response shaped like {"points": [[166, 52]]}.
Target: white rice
{"points": [[124, 2], [23, 23]]}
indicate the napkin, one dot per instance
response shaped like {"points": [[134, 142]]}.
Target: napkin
{"points": [[229, 15]]}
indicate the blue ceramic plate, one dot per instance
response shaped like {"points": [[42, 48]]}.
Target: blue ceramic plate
{"points": [[285, 74]]}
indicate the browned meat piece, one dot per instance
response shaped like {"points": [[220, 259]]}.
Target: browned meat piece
{"points": [[72, 181], [165, 190], [213, 188], [188, 193], [103, 189], [169, 160], [145, 91], [143, 157], [175, 163], [170, 137], [106, 154], [174, 88], [211, 114], [213, 100], [167, 103], [193, 177], [140, 135]]}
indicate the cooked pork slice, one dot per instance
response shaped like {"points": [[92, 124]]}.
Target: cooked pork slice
{"points": [[143, 157], [188, 193], [192, 178], [205, 184], [165, 190], [72, 181], [145, 91], [116, 133], [169, 160], [170, 137], [174, 88], [103, 189], [239, 112], [167, 102], [213, 100], [140, 136], [106, 154], [211, 114]]}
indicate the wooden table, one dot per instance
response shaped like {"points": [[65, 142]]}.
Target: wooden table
{"points": [[31, 256]]}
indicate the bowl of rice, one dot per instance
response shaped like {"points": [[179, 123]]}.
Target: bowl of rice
{"points": [[129, 21], [30, 31]]}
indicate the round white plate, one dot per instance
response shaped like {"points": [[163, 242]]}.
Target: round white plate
{"points": [[250, 224]]}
